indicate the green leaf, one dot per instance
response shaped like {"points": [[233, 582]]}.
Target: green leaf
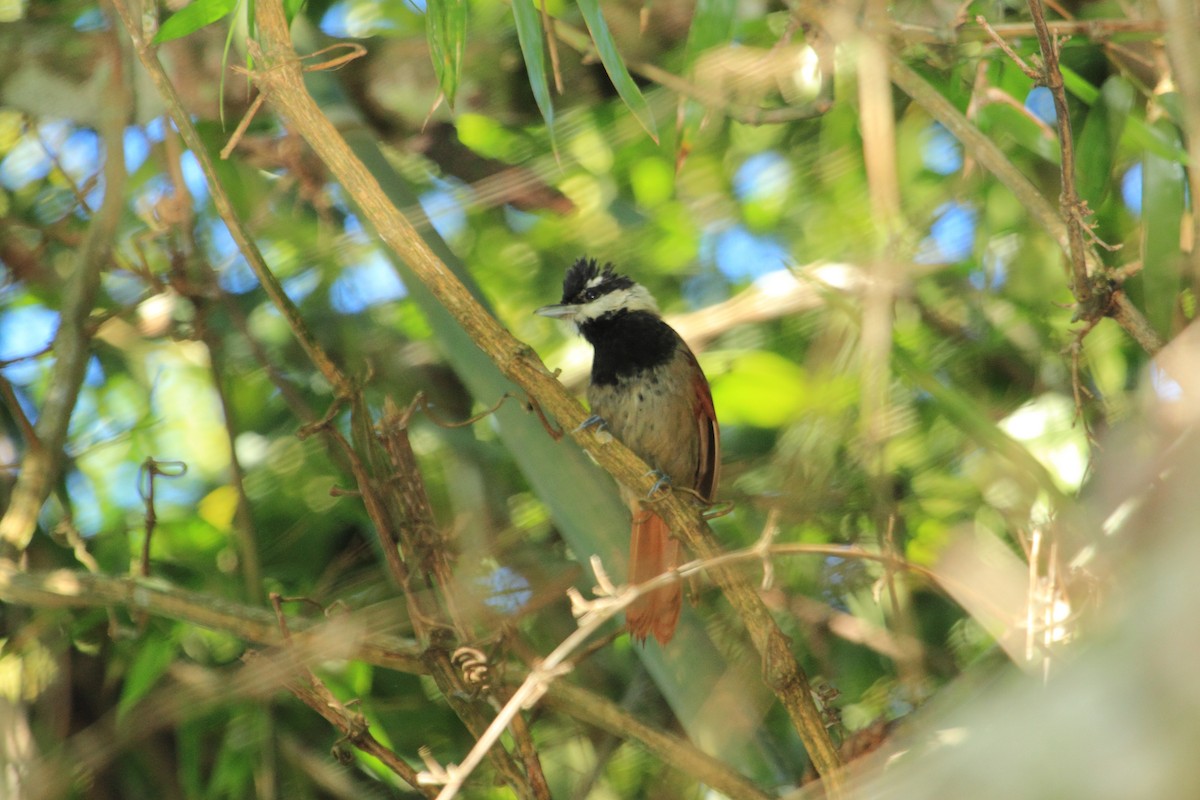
{"points": [[1079, 86], [999, 120], [614, 65], [446, 30], [712, 25], [291, 8], [1163, 200], [1141, 134], [152, 660], [760, 388], [1097, 143], [192, 18], [529, 34]]}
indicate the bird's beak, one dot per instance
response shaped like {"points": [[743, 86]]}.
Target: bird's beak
{"points": [[563, 311]]}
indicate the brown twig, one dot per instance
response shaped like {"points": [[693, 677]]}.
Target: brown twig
{"points": [[312, 691], [548, 25], [194, 278], [1029, 71], [422, 402], [1081, 285], [149, 472], [1095, 29], [430, 549], [242, 126]]}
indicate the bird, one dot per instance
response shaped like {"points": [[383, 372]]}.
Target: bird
{"points": [[648, 390]]}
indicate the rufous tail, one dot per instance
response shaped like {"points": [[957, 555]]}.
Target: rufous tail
{"points": [[653, 551]]}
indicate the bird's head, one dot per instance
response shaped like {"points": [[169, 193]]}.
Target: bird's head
{"points": [[591, 292]]}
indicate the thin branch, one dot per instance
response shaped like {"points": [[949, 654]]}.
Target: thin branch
{"points": [[42, 462], [1029, 71], [1069, 203], [673, 751], [1095, 29], [280, 77], [353, 726], [312, 691]]}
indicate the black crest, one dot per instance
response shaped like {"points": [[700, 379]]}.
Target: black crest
{"points": [[585, 271]]}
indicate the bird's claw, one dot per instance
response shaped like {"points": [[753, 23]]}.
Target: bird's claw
{"points": [[663, 481], [594, 421]]}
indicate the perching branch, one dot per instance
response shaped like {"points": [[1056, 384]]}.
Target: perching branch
{"points": [[278, 74]]}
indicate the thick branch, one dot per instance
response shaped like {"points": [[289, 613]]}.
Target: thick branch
{"points": [[279, 76]]}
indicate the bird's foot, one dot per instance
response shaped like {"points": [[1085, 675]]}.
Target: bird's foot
{"points": [[594, 421], [662, 482]]}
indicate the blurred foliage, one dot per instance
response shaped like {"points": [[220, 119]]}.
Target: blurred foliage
{"points": [[988, 428]]}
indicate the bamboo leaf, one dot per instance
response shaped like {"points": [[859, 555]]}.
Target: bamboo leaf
{"points": [[1141, 133], [192, 18], [712, 25], [614, 65], [1098, 141], [1163, 202], [149, 664], [446, 30], [529, 35]]}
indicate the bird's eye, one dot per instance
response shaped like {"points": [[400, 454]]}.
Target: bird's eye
{"points": [[590, 295]]}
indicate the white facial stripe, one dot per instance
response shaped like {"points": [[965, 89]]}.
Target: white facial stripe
{"points": [[594, 282], [635, 298]]}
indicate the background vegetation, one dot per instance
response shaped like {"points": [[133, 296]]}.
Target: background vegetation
{"points": [[288, 512]]}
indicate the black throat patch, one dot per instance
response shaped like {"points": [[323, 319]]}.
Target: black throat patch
{"points": [[627, 343]]}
